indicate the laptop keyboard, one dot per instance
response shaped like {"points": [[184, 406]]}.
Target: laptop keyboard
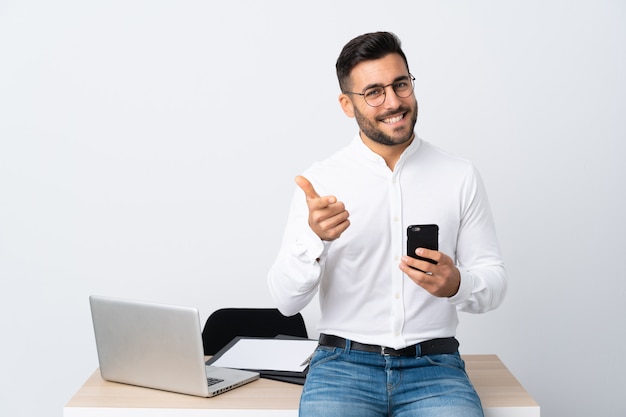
{"points": [[213, 381]]}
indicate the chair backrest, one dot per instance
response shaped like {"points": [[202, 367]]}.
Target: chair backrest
{"points": [[225, 324]]}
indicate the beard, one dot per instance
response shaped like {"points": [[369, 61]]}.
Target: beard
{"points": [[369, 129]]}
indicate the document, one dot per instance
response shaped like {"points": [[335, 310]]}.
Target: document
{"points": [[274, 355]]}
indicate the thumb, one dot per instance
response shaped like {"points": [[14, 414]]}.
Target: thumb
{"points": [[306, 186]]}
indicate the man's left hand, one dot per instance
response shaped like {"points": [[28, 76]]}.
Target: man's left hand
{"points": [[441, 279]]}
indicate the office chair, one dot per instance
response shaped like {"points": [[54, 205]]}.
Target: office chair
{"points": [[225, 324]]}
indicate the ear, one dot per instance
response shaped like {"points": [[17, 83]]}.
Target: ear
{"points": [[346, 105]]}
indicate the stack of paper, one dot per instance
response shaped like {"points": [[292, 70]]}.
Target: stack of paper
{"points": [[284, 359]]}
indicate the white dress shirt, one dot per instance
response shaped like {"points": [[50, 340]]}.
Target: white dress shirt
{"points": [[363, 294]]}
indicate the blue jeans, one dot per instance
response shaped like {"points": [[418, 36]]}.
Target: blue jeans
{"points": [[349, 383]]}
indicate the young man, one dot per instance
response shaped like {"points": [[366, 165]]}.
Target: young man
{"points": [[388, 320]]}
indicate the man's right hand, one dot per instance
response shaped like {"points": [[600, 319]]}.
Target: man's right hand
{"points": [[328, 218]]}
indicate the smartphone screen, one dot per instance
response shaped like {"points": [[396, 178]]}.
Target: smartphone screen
{"points": [[422, 236]]}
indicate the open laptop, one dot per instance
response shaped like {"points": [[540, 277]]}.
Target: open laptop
{"points": [[157, 346]]}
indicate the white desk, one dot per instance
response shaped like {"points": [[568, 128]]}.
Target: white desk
{"points": [[501, 395]]}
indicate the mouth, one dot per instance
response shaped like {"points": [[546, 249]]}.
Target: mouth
{"points": [[393, 119]]}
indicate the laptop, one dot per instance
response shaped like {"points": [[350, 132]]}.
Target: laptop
{"points": [[157, 346]]}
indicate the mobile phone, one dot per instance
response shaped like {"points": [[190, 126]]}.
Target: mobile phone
{"points": [[422, 236]]}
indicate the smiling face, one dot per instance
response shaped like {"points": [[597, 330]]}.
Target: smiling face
{"points": [[392, 123]]}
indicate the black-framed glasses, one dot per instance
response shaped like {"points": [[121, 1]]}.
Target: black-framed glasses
{"points": [[375, 96]]}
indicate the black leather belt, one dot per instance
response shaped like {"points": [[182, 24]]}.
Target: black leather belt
{"points": [[429, 347]]}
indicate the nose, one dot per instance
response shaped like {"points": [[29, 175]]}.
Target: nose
{"points": [[391, 98]]}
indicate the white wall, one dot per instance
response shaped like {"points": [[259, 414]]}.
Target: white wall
{"points": [[148, 149]]}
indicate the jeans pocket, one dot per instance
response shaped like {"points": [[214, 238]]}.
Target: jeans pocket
{"points": [[324, 354], [450, 360]]}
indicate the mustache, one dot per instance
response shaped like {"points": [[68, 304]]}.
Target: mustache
{"points": [[401, 109]]}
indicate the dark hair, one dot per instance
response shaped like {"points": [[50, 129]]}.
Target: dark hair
{"points": [[367, 47]]}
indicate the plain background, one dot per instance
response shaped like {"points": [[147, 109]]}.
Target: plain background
{"points": [[148, 149]]}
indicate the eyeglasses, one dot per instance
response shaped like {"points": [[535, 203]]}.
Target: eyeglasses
{"points": [[375, 96]]}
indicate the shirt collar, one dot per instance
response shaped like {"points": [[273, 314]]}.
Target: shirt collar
{"points": [[363, 151]]}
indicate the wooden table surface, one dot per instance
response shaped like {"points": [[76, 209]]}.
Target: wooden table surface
{"points": [[501, 394]]}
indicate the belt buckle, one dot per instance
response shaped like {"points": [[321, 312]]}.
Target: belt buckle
{"points": [[383, 351]]}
